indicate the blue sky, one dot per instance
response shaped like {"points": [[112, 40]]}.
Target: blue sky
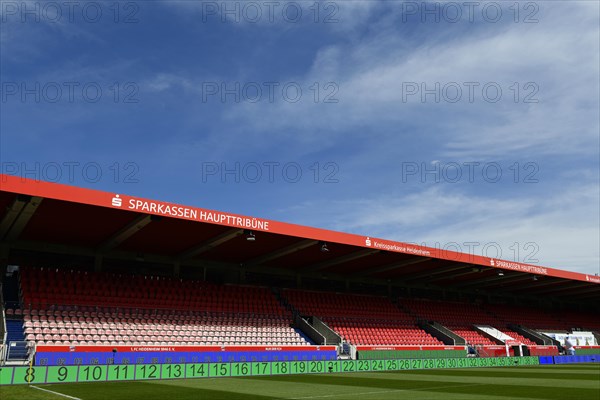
{"points": [[432, 123]]}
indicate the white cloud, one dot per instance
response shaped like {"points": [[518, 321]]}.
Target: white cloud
{"points": [[368, 56], [558, 230], [163, 82], [559, 54], [554, 62]]}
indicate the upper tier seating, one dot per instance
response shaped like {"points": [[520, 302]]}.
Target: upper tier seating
{"points": [[527, 316], [50, 287], [544, 320], [581, 320]]}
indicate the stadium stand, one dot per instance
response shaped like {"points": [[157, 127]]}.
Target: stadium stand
{"points": [[528, 316], [130, 327], [518, 337], [47, 287], [458, 317], [545, 321], [359, 319], [75, 307], [580, 320], [381, 332]]}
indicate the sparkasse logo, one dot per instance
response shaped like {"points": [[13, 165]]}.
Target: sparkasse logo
{"points": [[117, 201]]}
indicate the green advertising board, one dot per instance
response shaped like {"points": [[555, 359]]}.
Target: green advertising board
{"points": [[104, 373]]}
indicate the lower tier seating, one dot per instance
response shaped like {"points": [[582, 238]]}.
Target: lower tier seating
{"points": [[143, 327]]}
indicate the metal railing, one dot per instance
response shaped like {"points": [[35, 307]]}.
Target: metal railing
{"points": [[309, 330], [18, 351], [3, 314], [441, 332], [3, 344], [483, 352], [330, 335], [353, 352], [493, 334], [32, 349], [2, 353], [4, 330], [532, 335]]}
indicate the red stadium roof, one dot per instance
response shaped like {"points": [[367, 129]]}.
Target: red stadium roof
{"points": [[49, 217]]}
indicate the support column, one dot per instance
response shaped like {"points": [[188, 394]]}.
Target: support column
{"points": [[4, 251], [98, 260]]}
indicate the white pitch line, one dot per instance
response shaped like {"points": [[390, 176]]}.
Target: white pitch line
{"points": [[384, 391], [56, 393]]}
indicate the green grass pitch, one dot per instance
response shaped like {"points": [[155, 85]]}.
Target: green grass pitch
{"points": [[559, 382]]}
